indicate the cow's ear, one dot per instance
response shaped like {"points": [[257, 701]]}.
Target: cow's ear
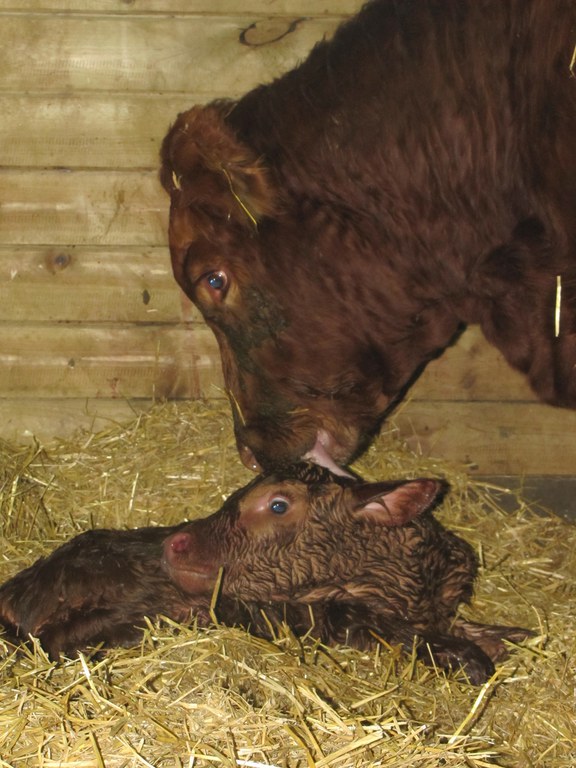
{"points": [[395, 503], [205, 165], [250, 187]]}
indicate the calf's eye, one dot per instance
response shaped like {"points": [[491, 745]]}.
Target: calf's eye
{"points": [[279, 506]]}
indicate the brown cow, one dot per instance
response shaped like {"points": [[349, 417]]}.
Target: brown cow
{"points": [[338, 227], [345, 560]]}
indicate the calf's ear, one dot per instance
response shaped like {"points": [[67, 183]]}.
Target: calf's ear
{"points": [[395, 503]]}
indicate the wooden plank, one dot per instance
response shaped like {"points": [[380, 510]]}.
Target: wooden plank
{"points": [[43, 359], [75, 284], [82, 208], [55, 53], [493, 438], [472, 369], [80, 130], [518, 439], [40, 361], [551, 492], [44, 421], [229, 7], [129, 286]]}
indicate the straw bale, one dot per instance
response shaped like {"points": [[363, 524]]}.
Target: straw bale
{"points": [[192, 697]]}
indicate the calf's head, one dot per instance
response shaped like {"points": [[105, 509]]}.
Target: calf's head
{"points": [[307, 536], [313, 346]]}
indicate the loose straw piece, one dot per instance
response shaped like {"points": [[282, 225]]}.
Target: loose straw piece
{"points": [[215, 595], [558, 305], [238, 199]]}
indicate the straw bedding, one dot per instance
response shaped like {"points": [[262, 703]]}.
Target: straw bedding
{"points": [[190, 697]]}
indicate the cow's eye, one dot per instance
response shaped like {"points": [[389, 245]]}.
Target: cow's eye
{"points": [[279, 505], [217, 284], [217, 281]]}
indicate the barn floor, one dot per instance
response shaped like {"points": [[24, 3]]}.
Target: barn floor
{"points": [[186, 697]]}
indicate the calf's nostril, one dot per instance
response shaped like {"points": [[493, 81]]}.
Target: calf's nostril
{"points": [[180, 542]]}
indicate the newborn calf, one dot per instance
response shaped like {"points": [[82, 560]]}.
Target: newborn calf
{"points": [[349, 560], [370, 557]]}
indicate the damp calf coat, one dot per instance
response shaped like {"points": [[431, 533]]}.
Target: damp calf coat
{"points": [[346, 560], [339, 226]]}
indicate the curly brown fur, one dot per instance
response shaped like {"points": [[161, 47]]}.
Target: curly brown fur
{"points": [[346, 561]]}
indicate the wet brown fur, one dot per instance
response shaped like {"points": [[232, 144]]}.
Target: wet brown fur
{"points": [[349, 562]]}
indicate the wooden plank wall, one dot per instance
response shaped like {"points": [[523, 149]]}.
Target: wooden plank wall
{"points": [[93, 325]]}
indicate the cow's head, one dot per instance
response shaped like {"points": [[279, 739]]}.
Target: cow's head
{"points": [[313, 345]]}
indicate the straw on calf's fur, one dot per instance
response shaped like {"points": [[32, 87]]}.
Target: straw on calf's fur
{"points": [[339, 226], [349, 561]]}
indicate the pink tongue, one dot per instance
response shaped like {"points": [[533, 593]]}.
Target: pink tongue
{"points": [[319, 455]]}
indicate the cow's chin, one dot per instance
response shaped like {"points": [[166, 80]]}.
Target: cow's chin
{"points": [[320, 453]]}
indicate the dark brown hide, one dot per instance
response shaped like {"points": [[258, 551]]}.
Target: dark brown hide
{"points": [[338, 227], [349, 562]]}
